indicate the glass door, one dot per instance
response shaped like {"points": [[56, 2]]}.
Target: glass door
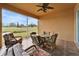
{"points": [[77, 29]]}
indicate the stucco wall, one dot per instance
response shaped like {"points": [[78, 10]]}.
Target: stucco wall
{"points": [[61, 22]]}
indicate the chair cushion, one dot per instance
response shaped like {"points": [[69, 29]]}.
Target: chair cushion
{"points": [[25, 54], [18, 50], [3, 51], [9, 52]]}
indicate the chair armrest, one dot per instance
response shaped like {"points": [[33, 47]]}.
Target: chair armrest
{"points": [[18, 39], [18, 36], [33, 46]]}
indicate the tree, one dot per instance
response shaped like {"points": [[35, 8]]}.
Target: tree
{"points": [[22, 25], [12, 24], [32, 25], [17, 24]]}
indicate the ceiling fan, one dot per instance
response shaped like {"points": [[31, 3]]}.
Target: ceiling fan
{"points": [[44, 7]]}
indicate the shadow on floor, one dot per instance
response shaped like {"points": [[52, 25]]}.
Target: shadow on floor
{"points": [[66, 48]]}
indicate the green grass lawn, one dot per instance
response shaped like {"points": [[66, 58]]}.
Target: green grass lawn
{"points": [[20, 31]]}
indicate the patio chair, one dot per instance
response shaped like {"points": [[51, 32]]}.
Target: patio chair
{"points": [[35, 39], [38, 40], [10, 39], [33, 33], [16, 50], [54, 38], [42, 41], [52, 42]]}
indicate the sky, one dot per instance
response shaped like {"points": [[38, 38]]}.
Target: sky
{"points": [[13, 17]]}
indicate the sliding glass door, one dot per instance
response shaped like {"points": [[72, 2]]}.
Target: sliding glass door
{"points": [[77, 28]]}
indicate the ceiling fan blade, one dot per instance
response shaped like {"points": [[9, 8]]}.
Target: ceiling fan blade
{"points": [[38, 6], [39, 10], [45, 4], [50, 7], [44, 11], [44, 7]]}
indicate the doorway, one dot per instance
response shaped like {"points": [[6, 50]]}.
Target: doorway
{"points": [[77, 28]]}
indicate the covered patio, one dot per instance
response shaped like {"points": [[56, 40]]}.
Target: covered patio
{"points": [[61, 20]]}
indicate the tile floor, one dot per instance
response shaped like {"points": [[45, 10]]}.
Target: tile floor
{"points": [[64, 48]]}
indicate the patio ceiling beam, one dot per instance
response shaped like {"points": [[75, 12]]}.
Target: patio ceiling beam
{"points": [[13, 8]]}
